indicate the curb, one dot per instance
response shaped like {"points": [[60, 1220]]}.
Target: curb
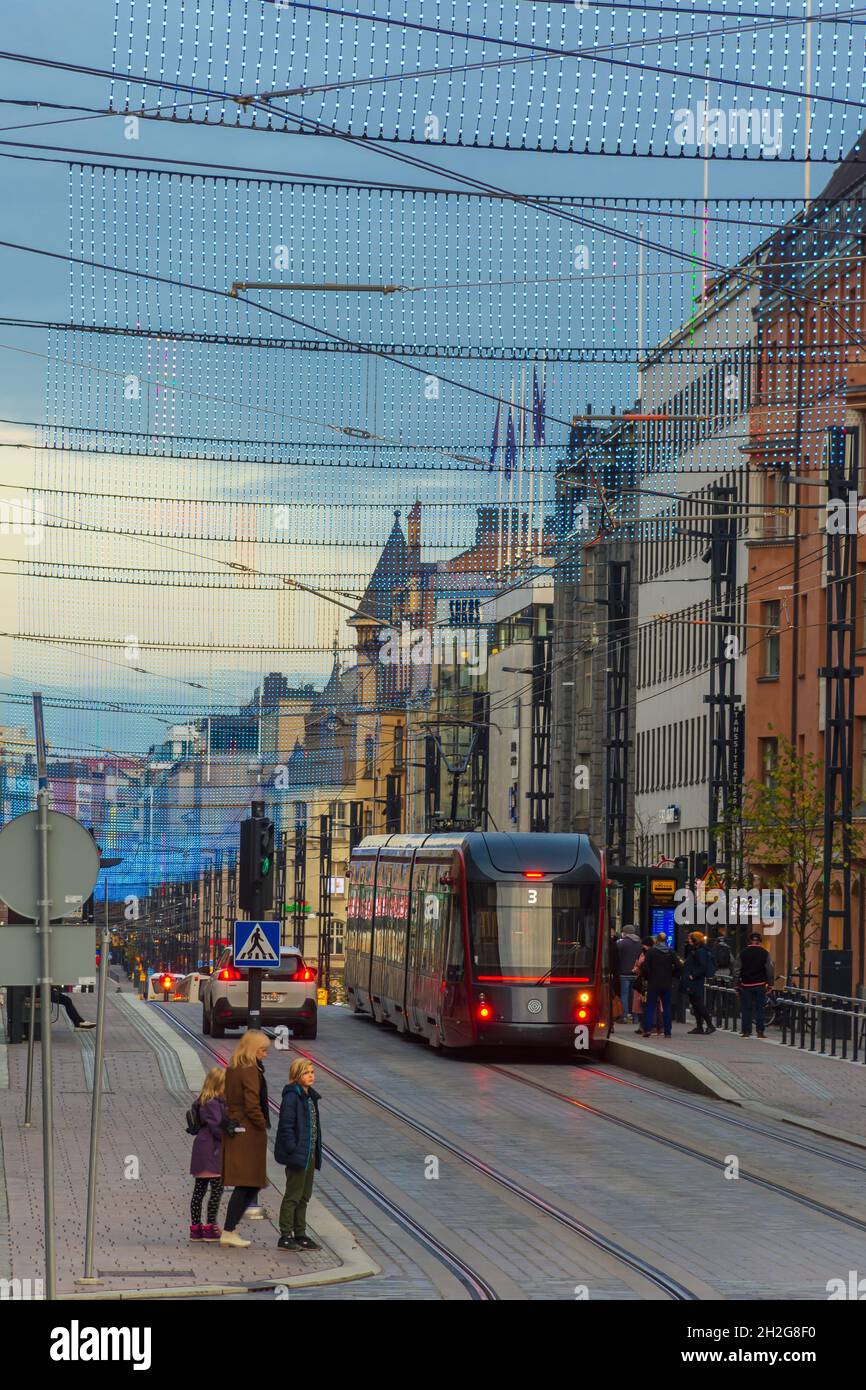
{"points": [[690, 1075], [684, 1072]]}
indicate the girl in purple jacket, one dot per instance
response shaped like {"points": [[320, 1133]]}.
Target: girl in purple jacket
{"points": [[207, 1154]]}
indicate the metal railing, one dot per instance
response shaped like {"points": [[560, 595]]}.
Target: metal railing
{"points": [[834, 1025]]}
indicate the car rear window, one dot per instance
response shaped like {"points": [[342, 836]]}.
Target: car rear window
{"points": [[287, 967]]}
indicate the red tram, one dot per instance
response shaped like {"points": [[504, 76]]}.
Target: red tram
{"points": [[475, 938]]}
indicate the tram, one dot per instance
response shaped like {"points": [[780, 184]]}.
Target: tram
{"points": [[477, 938]]}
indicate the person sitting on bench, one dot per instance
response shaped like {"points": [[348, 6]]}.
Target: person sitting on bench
{"points": [[59, 996]]}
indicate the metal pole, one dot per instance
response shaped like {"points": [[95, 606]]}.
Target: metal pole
{"points": [[96, 1102], [807, 89], [44, 931], [28, 1100]]}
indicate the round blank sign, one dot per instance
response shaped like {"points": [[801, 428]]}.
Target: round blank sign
{"points": [[73, 864]]}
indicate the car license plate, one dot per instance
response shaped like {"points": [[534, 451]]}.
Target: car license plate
{"points": [[270, 998]]}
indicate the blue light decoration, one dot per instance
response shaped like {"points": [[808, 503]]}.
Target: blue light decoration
{"points": [[500, 75]]}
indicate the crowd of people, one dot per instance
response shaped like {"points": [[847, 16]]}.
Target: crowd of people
{"points": [[649, 968], [231, 1119]]}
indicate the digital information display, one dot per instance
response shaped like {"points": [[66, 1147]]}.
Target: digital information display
{"points": [[663, 921]]}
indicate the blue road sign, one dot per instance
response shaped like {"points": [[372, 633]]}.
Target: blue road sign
{"points": [[257, 943]]}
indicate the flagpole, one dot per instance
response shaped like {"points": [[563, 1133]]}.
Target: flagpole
{"points": [[520, 464], [510, 536], [497, 543]]}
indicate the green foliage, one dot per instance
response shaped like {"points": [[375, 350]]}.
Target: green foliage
{"points": [[781, 829]]}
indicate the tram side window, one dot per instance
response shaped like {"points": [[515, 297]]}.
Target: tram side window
{"points": [[382, 899], [456, 956], [432, 919], [416, 937]]}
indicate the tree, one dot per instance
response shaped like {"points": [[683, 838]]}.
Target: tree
{"points": [[782, 829]]}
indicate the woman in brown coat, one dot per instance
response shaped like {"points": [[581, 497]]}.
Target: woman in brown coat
{"points": [[245, 1152]]}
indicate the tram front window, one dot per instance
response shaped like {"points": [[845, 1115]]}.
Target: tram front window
{"points": [[533, 931]]}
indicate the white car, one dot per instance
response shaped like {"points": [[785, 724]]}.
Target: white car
{"points": [[190, 986], [164, 984], [288, 995]]}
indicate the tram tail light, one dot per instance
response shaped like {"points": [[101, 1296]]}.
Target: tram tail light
{"points": [[532, 873], [584, 1000], [484, 1010], [584, 997]]}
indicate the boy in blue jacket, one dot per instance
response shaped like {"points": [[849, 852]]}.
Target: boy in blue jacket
{"points": [[298, 1146]]}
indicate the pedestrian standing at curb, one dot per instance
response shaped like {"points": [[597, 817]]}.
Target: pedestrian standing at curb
{"points": [[720, 950], [206, 1164], [298, 1147], [697, 969], [755, 971], [245, 1151], [639, 979], [660, 966], [628, 948]]}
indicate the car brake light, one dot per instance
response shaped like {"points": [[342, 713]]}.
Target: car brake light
{"points": [[305, 973], [230, 972]]}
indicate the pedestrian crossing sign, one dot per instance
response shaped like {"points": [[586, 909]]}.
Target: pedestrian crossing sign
{"points": [[257, 943]]}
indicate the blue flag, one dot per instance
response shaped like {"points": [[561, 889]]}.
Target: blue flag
{"points": [[495, 444], [537, 411], [510, 447]]}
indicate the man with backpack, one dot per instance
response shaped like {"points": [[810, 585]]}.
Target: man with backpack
{"points": [[659, 967], [722, 956]]}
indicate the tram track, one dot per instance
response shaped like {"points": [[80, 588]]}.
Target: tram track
{"points": [[732, 1118], [677, 1146], [658, 1277], [478, 1288]]}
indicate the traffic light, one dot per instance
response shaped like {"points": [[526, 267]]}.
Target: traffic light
{"points": [[702, 861], [256, 886]]}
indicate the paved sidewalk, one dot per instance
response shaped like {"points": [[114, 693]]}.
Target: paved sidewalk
{"points": [[821, 1093], [144, 1187]]}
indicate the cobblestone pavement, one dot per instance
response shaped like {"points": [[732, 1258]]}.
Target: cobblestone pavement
{"points": [[804, 1084], [728, 1237], [681, 1211], [144, 1184]]}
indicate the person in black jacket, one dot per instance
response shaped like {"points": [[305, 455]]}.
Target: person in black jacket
{"points": [[298, 1147], [660, 966], [698, 967], [628, 948], [754, 970]]}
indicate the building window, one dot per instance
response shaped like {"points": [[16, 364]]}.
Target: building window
{"points": [[775, 498], [369, 754], [769, 754], [398, 747], [770, 619], [860, 791]]}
